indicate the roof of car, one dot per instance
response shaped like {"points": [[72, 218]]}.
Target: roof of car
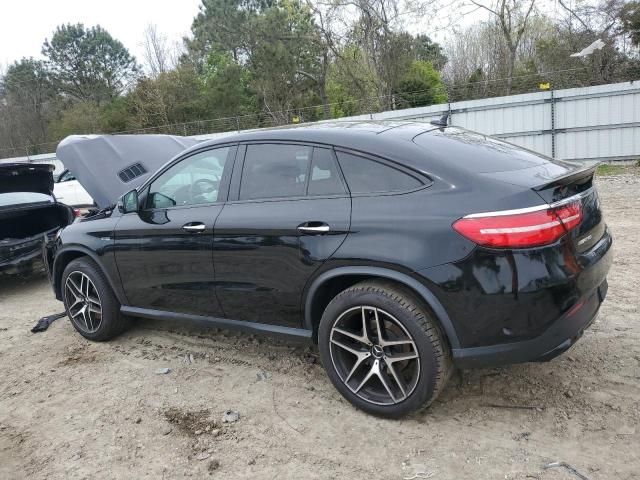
{"points": [[340, 133]]}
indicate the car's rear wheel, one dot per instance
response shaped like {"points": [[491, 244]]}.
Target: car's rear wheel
{"points": [[382, 349], [89, 301]]}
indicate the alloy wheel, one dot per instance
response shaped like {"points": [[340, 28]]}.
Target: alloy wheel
{"points": [[83, 302], [374, 355]]}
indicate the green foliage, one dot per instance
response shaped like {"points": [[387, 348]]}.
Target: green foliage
{"points": [[88, 64], [225, 86], [224, 25], [252, 63], [27, 100], [79, 118], [25, 76], [630, 16], [608, 169], [427, 50], [421, 86], [351, 84]]}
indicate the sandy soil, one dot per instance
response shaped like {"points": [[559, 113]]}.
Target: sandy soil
{"points": [[74, 409]]}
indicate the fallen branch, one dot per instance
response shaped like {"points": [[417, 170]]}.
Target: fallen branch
{"points": [[567, 466], [518, 407], [273, 397]]}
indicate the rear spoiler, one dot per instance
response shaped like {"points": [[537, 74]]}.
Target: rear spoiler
{"points": [[582, 175]]}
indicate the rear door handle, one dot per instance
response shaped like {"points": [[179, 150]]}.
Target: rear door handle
{"points": [[314, 228], [194, 227]]}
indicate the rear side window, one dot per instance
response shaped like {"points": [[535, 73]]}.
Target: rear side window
{"points": [[324, 176], [272, 171], [368, 176]]}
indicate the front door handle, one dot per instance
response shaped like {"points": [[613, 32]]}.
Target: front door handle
{"points": [[314, 228], [194, 227]]}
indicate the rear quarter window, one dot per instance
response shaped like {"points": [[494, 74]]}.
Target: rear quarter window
{"points": [[364, 175]]}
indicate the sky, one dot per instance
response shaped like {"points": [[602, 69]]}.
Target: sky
{"points": [[24, 24]]}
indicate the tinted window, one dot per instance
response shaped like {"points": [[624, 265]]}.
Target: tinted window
{"points": [[274, 171], [475, 152], [193, 181], [367, 176], [324, 177]]}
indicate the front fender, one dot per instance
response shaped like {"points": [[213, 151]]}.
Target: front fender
{"points": [[67, 253]]}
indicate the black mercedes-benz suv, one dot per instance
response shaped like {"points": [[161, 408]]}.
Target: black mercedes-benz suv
{"points": [[403, 249]]}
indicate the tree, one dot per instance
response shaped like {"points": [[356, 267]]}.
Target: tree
{"points": [[224, 25], [512, 17], [159, 57], [425, 49], [630, 18], [283, 60], [226, 87], [581, 25], [89, 64], [420, 86], [373, 30], [27, 98], [351, 85]]}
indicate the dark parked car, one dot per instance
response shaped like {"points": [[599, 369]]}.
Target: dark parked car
{"points": [[29, 215], [403, 249]]}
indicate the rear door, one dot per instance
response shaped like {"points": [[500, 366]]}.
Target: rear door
{"points": [[289, 211], [164, 251]]}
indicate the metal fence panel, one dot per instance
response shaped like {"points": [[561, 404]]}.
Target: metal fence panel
{"points": [[591, 123]]}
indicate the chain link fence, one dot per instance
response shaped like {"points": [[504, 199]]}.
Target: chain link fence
{"points": [[569, 78]]}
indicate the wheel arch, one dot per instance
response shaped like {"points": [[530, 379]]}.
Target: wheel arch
{"points": [[66, 256], [324, 287]]}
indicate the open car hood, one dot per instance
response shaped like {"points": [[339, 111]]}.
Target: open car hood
{"points": [[108, 166], [26, 177]]}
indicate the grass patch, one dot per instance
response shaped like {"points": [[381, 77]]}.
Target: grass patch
{"points": [[608, 169]]}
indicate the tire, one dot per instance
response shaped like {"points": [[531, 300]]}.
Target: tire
{"points": [[92, 325], [391, 391]]}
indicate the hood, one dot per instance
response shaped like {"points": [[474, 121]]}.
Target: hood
{"points": [[26, 177], [108, 166]]}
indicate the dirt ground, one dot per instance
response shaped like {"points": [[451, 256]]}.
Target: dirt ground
{"points": [[74, 409]]}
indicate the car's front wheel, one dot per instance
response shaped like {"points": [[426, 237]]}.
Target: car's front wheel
{"points": [[382, 349], [90, 302]]}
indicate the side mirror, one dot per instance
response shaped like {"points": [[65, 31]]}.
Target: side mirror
{"points": [[129, 202]]}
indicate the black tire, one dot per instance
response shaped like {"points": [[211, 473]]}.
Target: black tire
{"points": [[112, 322], [433, 361]]}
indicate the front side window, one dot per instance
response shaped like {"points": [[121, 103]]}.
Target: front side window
{"points": [[193, 181], [364, 175], [272, 171]]}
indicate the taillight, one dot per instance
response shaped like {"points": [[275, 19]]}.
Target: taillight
{"points": [[511, 229], [77, 213]]}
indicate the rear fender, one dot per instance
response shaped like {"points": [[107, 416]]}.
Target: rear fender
{"points": [[422, 291]]}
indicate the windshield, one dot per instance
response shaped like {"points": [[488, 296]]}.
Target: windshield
{"points": [[17, 198]]}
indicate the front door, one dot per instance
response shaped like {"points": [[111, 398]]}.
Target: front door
{"points": [[288, 212], [164, 251]]}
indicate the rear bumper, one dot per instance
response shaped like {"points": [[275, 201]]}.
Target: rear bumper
{"points": [[565, 332], [521, 305], [21, 256]]}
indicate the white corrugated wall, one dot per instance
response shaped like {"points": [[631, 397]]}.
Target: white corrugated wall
{"points": [[591, 123]]}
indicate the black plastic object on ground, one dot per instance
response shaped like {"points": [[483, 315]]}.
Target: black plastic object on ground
{"points": [[44, 322]]}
